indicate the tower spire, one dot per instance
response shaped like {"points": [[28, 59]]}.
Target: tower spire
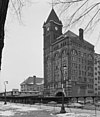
{"points": [[52, 4]]}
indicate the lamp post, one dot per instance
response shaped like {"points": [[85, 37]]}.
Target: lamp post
{"points": [[62, 81], [5, 82]]}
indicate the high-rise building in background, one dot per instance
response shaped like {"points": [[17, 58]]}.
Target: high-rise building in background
{"points": [[97, 74], [68, 58]]}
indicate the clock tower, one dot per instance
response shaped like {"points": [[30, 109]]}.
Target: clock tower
{"points": [[52, 30]]}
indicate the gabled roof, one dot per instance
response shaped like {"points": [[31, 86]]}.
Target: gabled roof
{"points": [[68, 34], [72, 35], [30, 80], [53, 17]]}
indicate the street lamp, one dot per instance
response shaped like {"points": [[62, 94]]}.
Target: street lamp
{"points": [[62, 81], [5, 82]]}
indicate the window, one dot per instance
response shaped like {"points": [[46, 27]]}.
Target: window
{"points": [[96, 89], [79, 53], [73, 58], [95, 78], [74, 52], [95, 93], [95, 73], [98, 77], [99, 67], [99, 72], [85, 79], [79, 59], [79, 72], [95, 68], [79, 66]]}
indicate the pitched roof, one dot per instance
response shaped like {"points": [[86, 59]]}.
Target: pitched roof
{"points": [[72, 36], [53, 16], [31, 80]]}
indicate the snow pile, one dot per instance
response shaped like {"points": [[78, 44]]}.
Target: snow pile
{"points": [[27, 109], [74, 115], [7, 113], [21, 107], [66, 115], [12, 109]]}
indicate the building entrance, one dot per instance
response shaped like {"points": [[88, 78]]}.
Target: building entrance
{"points": [[60, 94]]}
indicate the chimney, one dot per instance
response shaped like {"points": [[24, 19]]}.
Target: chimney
{"points": [[34, 79], [81, 31]]}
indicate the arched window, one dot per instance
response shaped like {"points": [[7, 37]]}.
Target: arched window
{"points": [[56, 55], [90, 57], [73, 52], [64, 53], [73, 55]]}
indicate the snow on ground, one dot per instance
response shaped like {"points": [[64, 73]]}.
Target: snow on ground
{"points": [[6, 113], [75, 115], [12, 108]]}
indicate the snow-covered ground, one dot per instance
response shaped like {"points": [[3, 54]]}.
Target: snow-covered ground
{"points": [[12, 108]]}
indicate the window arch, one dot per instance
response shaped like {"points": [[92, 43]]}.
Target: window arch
{"points": [[56, 55], [73, 52], [63, 52]]}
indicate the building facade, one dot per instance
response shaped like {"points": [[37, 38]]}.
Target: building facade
{"points": [[68, 60], [97, 74], [32, 84]]}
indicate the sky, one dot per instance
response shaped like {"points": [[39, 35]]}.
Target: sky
{"points": [[23, 50]]}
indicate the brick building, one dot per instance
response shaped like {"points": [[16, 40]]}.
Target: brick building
{"points": [[97, 74], [68, 50], [32, 84]]}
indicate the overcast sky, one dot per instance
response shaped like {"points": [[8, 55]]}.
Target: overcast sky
{"points": [[23, 50]]}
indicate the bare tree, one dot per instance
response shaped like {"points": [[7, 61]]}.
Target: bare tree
{"points": [[16, 6], [79, 11]]}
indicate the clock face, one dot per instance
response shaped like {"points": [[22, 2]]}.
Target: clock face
{"points": [[56, 28]]}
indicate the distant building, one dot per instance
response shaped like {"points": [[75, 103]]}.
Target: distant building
{"points": [[97, 74], [30, 93], [66, 50], [32, 84], [17, 93], [14, 92]]}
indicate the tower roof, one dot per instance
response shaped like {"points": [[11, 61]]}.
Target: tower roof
{"points": [[53, 16]]}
